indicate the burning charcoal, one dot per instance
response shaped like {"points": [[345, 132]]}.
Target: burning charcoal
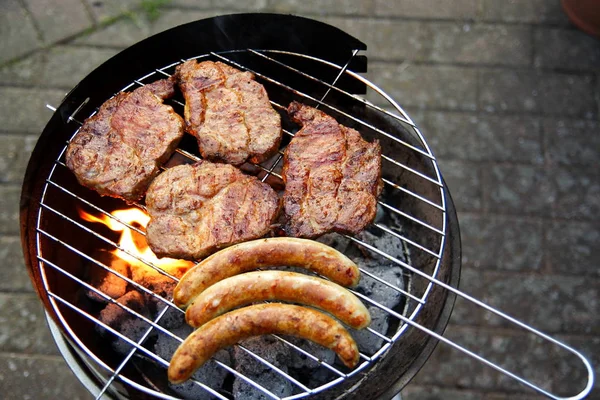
{"points": [[300, 360], [105, 281], [133, 329], [124, 321], [270, 349], [267, 347], [269, 379], [335, 240], [160, 284], [114, 316], [367, 342], [210, 373], [173, 318]]}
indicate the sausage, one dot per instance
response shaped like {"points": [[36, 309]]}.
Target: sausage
{"points": [[262, 253], [260, 319], [257, 286]]}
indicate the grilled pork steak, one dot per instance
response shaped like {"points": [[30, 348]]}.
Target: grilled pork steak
{"points": [[228, 112], [332, 176], [197, 209], [118, 151]]}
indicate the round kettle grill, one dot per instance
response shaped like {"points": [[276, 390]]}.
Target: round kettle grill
{"points": [[415, 234]]}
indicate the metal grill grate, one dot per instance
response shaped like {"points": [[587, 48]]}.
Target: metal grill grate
{"points": [[419, 278]]}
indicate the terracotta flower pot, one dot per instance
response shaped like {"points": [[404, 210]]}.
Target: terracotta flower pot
{"points": [[585, 14]]}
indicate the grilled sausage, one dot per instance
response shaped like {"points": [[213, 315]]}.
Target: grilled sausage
{"points": [[259, 286], [261, 253], [256, 320]]}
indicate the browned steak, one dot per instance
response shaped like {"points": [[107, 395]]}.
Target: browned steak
{"points": [[228, 112], [197, 209], [332, 176], [118, 151]]}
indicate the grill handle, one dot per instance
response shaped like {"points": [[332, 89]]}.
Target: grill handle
{"points": [[512, 320]]}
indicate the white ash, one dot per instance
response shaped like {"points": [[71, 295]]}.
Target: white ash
{"points": [[211, 374]]}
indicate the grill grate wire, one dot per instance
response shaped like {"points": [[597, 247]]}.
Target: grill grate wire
{"points": [[137, 348]]}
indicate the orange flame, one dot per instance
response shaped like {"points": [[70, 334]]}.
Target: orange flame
{"points": [[134, 245]]}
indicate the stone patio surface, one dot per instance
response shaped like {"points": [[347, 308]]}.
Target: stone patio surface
{"points": [[507, 92]]}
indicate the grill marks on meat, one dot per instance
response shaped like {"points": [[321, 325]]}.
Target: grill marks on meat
{"points": [[198, 209], [332, 176], [118, 151], [228, 112]]}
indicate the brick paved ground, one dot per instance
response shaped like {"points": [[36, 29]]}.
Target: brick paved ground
{"points": [[508, 95]]}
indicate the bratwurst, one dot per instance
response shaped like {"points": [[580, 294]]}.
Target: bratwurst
{"points": [[260, 319], [263, 253], [257, 286]]}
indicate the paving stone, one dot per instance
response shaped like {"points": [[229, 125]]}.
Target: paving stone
{"points": [[15, 151], [16, 30], [434, 9], [320, 7], [68, 65], [510, 139], [12, 266], [566, 94], [122, 33], [417, 392], [250, 5], [573, 247], [470, 43], [36, 377], [388, 39], [23, 325], [468, 136], [426, 86], [105, 10], [572, 142], [429, 392], [174, 17], [25, 71], [577, 192], [501, 242], [9, 209], [464, 181], [519, 189], [536, 11], [59, 19], [551, 303], [452, 135], [508, 90], [24, 110], [544, 364], [562, 48]]}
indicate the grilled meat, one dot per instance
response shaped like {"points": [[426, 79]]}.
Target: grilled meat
{"points": [[119, 150], [228, 112], [198, 209], [332, 176]]}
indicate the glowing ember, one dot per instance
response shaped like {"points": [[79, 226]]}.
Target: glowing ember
{"points": [[132, 242]]}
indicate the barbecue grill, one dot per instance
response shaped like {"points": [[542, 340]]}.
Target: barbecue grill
{"points": [[411, 253]]}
